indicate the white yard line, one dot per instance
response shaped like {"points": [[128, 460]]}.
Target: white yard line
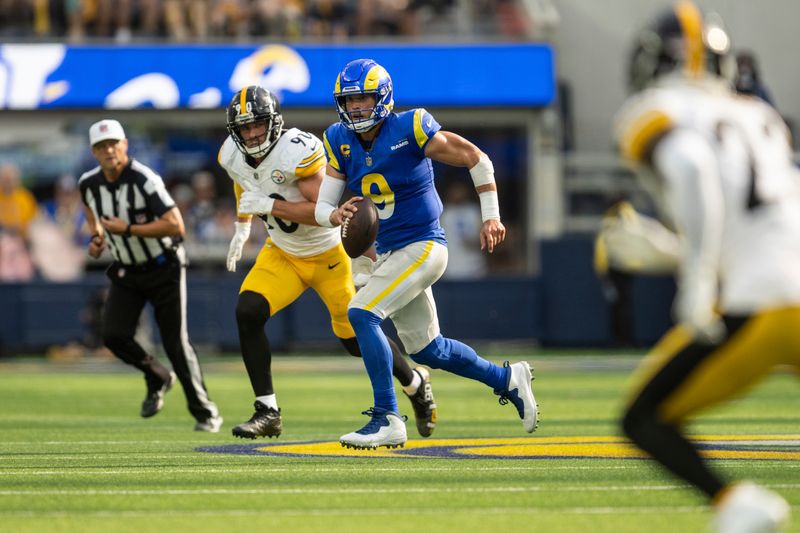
{"points": [[361, 512], [365, 490]]}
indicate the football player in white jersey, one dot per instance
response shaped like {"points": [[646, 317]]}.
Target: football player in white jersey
{"points": [[720, 165], [276, 175]]}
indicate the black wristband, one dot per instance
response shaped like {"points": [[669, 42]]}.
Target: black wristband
{"points": [[127, 231]]}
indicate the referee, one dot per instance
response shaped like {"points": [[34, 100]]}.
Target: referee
{"points": [[130, 212]]}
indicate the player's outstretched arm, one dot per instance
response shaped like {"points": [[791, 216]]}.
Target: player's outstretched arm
{"points": [[451, 149]]}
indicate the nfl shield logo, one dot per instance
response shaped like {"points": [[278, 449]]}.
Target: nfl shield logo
{"points": [[141, 219]]}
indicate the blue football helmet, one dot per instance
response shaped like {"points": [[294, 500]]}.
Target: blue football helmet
{"points": [[364, 76]]}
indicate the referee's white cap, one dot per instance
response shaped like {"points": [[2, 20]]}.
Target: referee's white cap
{"points": [[104, 130]]}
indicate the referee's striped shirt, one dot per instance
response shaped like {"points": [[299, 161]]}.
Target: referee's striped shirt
{"points": [[138, 196]]}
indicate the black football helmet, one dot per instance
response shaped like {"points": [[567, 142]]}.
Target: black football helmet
{"points": [[681, 38], [253, 104]]}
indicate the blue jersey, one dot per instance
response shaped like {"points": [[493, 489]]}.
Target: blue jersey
{"points": [[395, 174]]}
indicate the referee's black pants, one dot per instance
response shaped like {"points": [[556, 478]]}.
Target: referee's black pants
{"points": [[164, 286]]}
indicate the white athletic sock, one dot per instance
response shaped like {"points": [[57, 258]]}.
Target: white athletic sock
{"points": [[269, 400], [412, 387]]}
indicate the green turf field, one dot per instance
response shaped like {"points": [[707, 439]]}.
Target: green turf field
{"points": [[75, 456]]}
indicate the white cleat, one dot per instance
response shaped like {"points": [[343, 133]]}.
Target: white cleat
{"points": [[520, 393], [748, 508], [385, 428], [209, 425]]}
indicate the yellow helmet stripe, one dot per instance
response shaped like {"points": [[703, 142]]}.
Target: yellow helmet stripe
{"points": [[331, 156], [243, 101], [419, 133], [407, 272], [338, 87], [373, 77], [692, 24]]}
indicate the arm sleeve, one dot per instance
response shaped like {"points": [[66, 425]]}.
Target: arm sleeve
{"points": [[330, 191], [687, 163]]}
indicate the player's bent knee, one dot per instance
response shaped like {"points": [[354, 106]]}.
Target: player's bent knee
{"points": [[252, 309], [636, 420], [115, 342], [351, 345], [361, 319], [433, 355]]}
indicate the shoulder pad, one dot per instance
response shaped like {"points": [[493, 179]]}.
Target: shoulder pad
{"points": [[227, 153], [641, 123]]}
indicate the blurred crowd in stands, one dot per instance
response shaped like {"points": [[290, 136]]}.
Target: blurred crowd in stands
{"points": [[47, 238], [209, 20]]}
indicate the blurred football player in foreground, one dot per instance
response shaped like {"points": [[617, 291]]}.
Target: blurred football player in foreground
{"points": [[720, 166], [387, 157], [276, 175]]}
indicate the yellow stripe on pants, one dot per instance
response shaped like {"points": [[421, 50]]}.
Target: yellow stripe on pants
{"points": [[407, 272]]}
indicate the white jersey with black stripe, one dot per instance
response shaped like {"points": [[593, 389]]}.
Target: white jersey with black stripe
{"points": [[758, 262], [296, 155], [138, 196]]}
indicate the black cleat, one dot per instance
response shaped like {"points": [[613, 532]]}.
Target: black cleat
{"points": [[154, 401], [423, 403], [265, 422]]}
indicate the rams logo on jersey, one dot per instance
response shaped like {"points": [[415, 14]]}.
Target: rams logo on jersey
{"points": [[278, 177], [345, 149]]}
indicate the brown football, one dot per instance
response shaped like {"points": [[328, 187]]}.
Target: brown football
{"points": [[359, 231]]}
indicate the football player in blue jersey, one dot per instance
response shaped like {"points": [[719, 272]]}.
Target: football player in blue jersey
{"points": [[387, 156]]}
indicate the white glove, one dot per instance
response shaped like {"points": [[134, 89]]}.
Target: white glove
{"points": [[237, 243], [255, 203], [694, 307], [362, 267]]}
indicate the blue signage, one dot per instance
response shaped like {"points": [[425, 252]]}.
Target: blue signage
{"points": [[53, 76]]}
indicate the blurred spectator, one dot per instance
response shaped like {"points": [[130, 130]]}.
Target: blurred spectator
{"points": [[58, 238], [17, 204], [16, 18], [381, 17], [748, 77], [175, 18], [66, 210], [461, 220], [229, 18], [200, 215], [196, 20], [328, 19], [276, 18]]}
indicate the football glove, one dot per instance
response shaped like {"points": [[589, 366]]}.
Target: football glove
{"points": [[237, 244], [255, 203], [695, 307]]}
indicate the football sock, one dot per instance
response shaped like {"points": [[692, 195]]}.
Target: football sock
{"points": [[460, 359], [412, 387], [252, 312], [377, 356], [400, 367], [269, 401], [669, 447]]}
